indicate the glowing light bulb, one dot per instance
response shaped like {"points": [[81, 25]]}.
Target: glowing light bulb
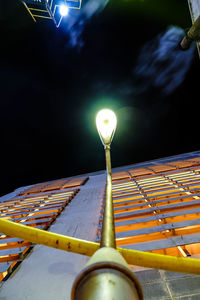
{"points": [[64, 10], [106, 123]]}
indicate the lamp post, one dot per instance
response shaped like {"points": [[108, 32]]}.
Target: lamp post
{"points": [[107, 275], [106, 123], [193, 34]]}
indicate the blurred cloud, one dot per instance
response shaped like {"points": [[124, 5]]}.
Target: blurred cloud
{"points": [[161, 64], [158, 71], [75, 23]]}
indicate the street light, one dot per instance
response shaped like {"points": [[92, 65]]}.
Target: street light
{"points": [[106, 123], [107, 275]]}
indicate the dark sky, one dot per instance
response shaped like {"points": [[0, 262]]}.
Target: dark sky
{"points": [[54, 81]]}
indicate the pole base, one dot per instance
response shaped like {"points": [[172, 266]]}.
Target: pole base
{"points": [[106, 276]]}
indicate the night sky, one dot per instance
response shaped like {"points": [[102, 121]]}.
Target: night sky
{"points": [[54, 81]]}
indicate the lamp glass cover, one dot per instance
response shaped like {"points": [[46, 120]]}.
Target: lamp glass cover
{"points": [[106, 123]]}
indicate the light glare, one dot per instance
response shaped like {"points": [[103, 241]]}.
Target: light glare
{"points": [[106, 123], [64, 10]]}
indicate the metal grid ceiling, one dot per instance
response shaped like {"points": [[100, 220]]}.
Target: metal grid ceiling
{"points": [[157, 208], [39, 210]]}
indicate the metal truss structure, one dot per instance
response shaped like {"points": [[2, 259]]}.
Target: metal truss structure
{"points": [[49, 9]]}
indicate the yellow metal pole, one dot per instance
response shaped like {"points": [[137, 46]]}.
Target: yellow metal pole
{"points": [[46, 238], [29, 11], [163, 262], [133, 257], [108, 228]]}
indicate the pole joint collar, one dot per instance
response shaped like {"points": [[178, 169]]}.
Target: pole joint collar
{"points": [[110, 265]]}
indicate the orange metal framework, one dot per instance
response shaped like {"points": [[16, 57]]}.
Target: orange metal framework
{"points": [[37, 207], [157, 208]]}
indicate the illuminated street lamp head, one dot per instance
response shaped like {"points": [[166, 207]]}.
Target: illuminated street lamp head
{"points": [[106, 123], [64, 10]]}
